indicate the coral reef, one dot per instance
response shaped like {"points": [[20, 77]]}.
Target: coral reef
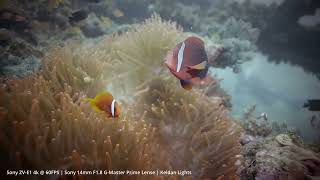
{"points": [[274, 151], [280, 157], [254, 126], [45, 123], [258, 127], [18, 57], [36, 26], [237, 38]]}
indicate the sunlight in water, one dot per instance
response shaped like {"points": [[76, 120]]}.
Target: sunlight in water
{"points": [[277, 89]]}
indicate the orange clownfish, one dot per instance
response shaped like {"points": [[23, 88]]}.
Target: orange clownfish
{"points": [[188, 61], [105, 103]]}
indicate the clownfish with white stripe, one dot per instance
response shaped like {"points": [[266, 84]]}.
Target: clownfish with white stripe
{"points": [[105, 103], [188, 61]]}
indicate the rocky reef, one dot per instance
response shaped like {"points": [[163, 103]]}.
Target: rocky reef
{"points": [[279, 157], [273, 151]]}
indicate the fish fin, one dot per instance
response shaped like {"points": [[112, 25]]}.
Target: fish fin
{"points": [[92, 104], [96, 108], [105, 96], [186, 85], [194, 72], [195, 40], [200, 66]]}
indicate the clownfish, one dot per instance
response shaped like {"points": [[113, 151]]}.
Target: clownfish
{"points": [[188, 61], [105, 103]]}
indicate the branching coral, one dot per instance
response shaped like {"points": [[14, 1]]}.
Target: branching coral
{"points": [[194, 129]]}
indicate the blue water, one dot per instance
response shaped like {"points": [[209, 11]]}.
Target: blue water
{"points": [[277, 89]]}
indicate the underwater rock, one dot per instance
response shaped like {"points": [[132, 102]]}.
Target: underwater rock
{"points": [[245, 139], [6, 37], [78, 16], [284, 140], [12, 20], [279, 158], [60, 21]]}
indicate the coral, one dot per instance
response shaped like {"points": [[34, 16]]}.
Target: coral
{"points": [[194, 129], [254, 126], [46, 124], [15, 66], [280, 158], [233, 28], [18, 57], [284, 140], [238, 41], [214, 52]]}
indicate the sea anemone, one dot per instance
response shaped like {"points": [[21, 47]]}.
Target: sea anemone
{"points": [[193, 128], [141, 51], [46, 124], [42, 128]]}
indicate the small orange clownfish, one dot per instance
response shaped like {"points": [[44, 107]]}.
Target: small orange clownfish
{"points": [[105, 103], [188, 61]]}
